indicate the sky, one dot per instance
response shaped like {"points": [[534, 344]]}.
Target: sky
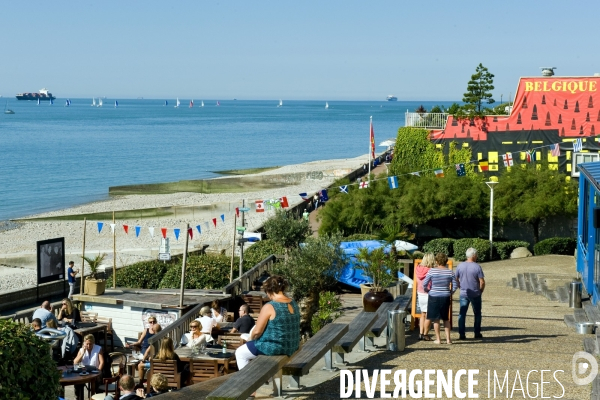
{"points": [[309, 50]]}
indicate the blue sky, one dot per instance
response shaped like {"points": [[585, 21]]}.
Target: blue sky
{"points": [[321, 50]]}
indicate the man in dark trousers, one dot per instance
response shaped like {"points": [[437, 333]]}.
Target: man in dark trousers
{"points": [[245, 322], [472, 283]]}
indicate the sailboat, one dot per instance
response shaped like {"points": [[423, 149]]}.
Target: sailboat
{"points": [[280, 103], [38, 103], [7, 110], [191, 103], [67, 103], [99, 101], [166, 103], [178, 103], [202, 103], [116, 104], [326, 105], [218, 103], [93, 102]]}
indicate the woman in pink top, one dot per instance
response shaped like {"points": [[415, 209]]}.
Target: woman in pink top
{"points": [[421, 272]]}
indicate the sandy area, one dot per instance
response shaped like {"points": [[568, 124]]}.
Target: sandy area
{"points": [[18, 245]]}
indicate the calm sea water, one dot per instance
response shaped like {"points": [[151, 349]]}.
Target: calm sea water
{"points": [[55, 156]]}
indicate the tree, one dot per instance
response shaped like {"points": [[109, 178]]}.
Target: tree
{"points": [[414, 152], [311, 269], [478, 91], [27, 370], [286, 230], [531, 193]]}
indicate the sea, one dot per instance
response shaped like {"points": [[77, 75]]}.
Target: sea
{"points": [[57, 156]]}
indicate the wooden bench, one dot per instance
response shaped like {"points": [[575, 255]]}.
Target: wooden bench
{"points": [[358, 328], [316, 347]]}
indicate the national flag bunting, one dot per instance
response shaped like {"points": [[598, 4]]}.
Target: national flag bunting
{"points": [[138, 229], [460, 170], [260, 206], [439, 173], [214, 222], [344, 189], [578, 145], [324, 196], [508, 160], [304, 196], [484, 165], [284, 202], [164, 232], [191, 233], [176, 232], [126, 228], [363, 185], [530, 155], [415, 174], [555, 150], [393, 182]]}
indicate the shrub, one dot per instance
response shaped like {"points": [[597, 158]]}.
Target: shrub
{"points": [[329, 311], [556, 245], [207, 271], [261, 250], [443, 245], [28, 371], [357, 237], [481, 245], [143, 275], [504, 249], [417, 255]]}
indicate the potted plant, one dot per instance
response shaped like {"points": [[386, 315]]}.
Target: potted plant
{"points": [[378, 266], [93, 285]]}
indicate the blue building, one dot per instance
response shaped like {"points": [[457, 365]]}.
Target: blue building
{"points": [[588, 224]]}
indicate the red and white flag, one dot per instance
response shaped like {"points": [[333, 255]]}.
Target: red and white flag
{"points": [[372, 141], [507, 158], [363, 185], [555, 150], [260, 206], [284, 202]]}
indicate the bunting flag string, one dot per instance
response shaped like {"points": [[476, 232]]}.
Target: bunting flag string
{"points": [[137, 230], [126, 229], [214, 220], [164, 232], [151, 230], [112, 228], [199, 229], [100, 225], [176, 232], [191, 233]]}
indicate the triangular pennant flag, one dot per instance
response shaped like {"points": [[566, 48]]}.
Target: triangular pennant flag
{"points": [[199, 229], [284, 202], [237, 212], [112, 228], [344, 189], [151, 230], [100, 225], [439, 173], [460, 170], [176, 232], [164, 232], [206, 225], [191, 233], [223, 217], [126, 229], [415, 173], [393, 182], [137, 231], [215, 222]]}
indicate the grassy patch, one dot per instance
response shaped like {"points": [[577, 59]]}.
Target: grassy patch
{"points": [[246, 171]]}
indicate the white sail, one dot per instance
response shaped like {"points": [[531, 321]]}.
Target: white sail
{"points": [[202, 103], [100, 102], [177, 103], [326, 105], [93, 102], [280, 103]]}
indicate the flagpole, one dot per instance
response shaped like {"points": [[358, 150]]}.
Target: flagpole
{"points": [[233, 248], [370, 129], [114, 255]]}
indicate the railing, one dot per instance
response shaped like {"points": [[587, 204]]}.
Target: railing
{"points": [[244, 282], [176, 330], [426, 120]]}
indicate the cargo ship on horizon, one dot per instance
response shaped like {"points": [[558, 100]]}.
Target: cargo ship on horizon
{"points": [[43, 95]]}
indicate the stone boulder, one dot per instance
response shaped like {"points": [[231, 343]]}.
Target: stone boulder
{"points": [[520, 252]]}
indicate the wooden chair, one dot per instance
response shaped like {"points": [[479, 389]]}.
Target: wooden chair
{"points": [[111, 385], [88, 316], [169, 369], [232, 340], [109, 331], [203, 370]]}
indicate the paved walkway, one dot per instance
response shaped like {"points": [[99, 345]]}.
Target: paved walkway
{"points": [[522, 332]]}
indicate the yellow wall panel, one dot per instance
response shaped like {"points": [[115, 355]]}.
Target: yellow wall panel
{"points": [[493, 156]]}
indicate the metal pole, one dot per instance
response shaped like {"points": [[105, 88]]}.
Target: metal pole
{"points": [[491, 186], [83, 255], [187, 237], [114, 254], [370, 125], [241, 242], [233, 248]]}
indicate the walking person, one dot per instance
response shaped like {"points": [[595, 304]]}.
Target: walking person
{"points": [[472, 283], [71, 274], [440, 283], [421, 272]]}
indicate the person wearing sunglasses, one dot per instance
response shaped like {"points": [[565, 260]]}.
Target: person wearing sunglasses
{"points": [[142, 342], [193, 337]]}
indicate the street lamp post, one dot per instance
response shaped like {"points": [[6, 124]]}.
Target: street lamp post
{"points": [[491, 185]]}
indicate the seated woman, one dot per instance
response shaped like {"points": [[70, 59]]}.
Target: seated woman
{"points": [[219, 313], [194, 337], [69, 313], [144, 363], [165, 353], [277, 330], [89, 354], [142, 342], [207, 323]]}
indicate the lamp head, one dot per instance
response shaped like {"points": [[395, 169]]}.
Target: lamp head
{"points": [[491, 184]]}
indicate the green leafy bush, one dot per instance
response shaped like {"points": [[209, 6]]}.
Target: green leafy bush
{"points": [[329, 311], [443, 245], [143, 275], [504, 249], [207, 271], [556, 245], [27, 370], [261, 250], [417, 255], [357, 237], [481, 245]]}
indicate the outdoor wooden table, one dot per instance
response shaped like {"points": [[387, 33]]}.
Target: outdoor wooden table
{"points": [[185, 354], [84, 328], [74, 378]]}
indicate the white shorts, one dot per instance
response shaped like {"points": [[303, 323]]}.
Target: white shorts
{"points": [[423, 298]]}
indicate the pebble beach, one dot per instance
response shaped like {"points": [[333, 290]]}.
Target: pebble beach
{"points": [[18, 238]]}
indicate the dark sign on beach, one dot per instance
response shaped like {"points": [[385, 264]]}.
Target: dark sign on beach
{"points": [[50, 260]]}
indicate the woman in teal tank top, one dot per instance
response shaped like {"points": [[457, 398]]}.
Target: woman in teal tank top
{"points": [[277, 329]]}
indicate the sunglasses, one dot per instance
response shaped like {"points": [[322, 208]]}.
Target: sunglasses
{"points": [[194, 326], [151, 322]]}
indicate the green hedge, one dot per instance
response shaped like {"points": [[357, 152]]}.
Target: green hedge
{"points": [[504, 249], [443, 245], [261, 250], [143, 275], [206, 271], [481, 245], [556, 245]]}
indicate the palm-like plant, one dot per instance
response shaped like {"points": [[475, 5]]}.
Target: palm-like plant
{"points": [[378, 266], [94, 263]]}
